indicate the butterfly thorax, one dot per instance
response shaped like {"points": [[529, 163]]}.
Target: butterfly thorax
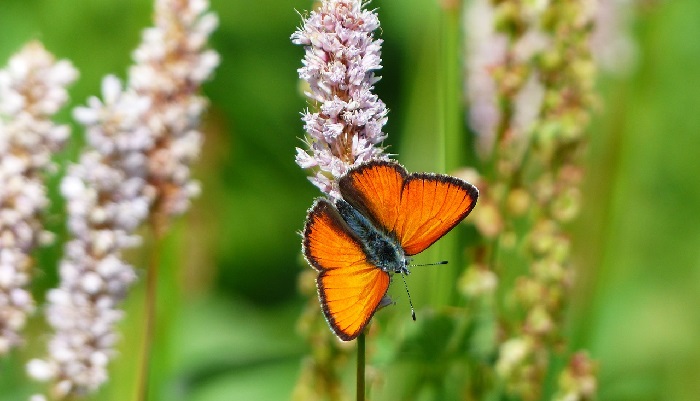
{"points": [[382, 248]]}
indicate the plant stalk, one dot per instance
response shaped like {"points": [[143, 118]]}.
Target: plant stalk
{"points": [[151, 300], [361, 367]]}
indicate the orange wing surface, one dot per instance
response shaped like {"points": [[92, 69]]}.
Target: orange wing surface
{"points": [[417, 208], [350, 288], [431, 206], [375, 189]]}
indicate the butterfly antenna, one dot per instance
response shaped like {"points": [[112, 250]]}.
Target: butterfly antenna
{"points": [[413, 312], [443, 262]]}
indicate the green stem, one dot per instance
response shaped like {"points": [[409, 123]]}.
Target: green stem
{"points": [[361, 367], [450, 138], [149, 317]]}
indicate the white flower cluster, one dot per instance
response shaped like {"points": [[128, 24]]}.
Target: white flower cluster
{"points": [[171, 64], [340, 58], [32, 89], [107, 199], [141, 141]]}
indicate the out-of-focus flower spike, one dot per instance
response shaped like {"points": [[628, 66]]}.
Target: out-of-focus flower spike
{"points": [[171, 65], [141, 140], [107, 199], [32, 89]]}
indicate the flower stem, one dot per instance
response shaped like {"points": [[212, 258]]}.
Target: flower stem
{"points": [[150, 314], [450, 138], [361, 367]]}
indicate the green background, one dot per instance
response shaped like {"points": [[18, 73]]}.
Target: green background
{"points": [[228, 284]]}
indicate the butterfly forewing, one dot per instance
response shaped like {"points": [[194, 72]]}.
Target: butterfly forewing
{"points": [[349, 287], [431, 206], [375, 190]]}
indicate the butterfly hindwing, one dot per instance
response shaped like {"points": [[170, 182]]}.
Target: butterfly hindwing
{"points": [[350, 288], [417, 209]]}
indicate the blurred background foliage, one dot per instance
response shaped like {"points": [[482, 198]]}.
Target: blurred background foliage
{"points": [[229, 299]]}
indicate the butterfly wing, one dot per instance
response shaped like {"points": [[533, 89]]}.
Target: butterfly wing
{"points": [[374, 188], [417, 208], [349, 287], [431, 206]]}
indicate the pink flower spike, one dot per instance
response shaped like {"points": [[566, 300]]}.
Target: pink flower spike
{"points": [[341, 57]]}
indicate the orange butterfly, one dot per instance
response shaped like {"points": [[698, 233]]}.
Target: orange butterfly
{"points": [[386, 215]]}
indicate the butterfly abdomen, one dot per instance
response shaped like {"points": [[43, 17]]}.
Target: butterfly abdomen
{"points": [[381, 248]]}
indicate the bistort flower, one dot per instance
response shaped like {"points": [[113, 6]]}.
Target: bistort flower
{"points": [[141, 141], [341, 57], [32, 90]]}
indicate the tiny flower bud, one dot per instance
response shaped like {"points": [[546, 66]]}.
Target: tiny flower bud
{"points": [[518, 202], [477, 281], [511, 354], [539, 321], [488, 219]]}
